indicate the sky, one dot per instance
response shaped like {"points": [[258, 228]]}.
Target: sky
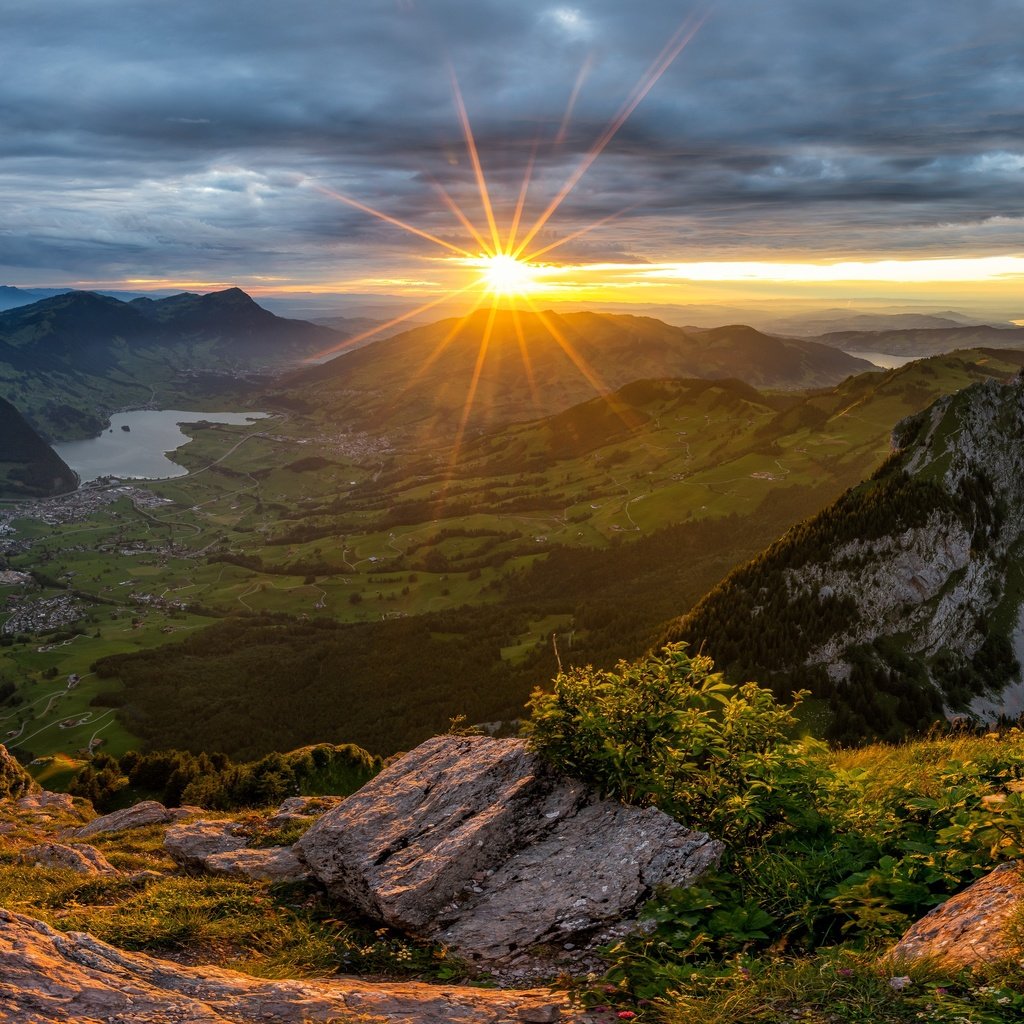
{"points": [[199, 144]]}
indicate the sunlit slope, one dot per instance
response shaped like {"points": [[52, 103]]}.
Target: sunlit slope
{"points": [[495, 368]]}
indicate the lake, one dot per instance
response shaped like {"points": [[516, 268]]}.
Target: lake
{"points": [[884, 359], [140, 451]]}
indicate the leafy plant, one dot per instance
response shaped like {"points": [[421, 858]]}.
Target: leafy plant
{"points": [[669, 731]]}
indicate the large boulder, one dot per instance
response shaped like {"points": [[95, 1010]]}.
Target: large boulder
{"points": [[977, 926], [148, 812], [73, 978], [15, 782], [80, 858], [475, 842]]}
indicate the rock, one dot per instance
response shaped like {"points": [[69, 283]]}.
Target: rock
{"points": [[974, 927], [148, 812], [270, 864], [74, 978], [15, 782], [214, 847], [184, 811], [44, 800], [194, 843], [310, 806], [80, 857], [472, 841], [302, 809], [592, 872]]}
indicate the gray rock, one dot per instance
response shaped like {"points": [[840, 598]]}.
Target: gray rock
{"points": [[193, 844], [302, 809], [474, 842], [403, 847], [184, 811], [269, 864], [80, 857], [45, 802], [593, 872], [148, 812], [71, 978], [311, 806]]}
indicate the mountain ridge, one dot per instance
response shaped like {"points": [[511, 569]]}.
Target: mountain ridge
{"points": [[905, 597]]}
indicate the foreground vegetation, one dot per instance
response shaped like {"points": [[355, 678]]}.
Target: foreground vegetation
{"points": [[830, 855]]}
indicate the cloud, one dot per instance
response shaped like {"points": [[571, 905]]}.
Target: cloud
{"points": [[197, 137]]}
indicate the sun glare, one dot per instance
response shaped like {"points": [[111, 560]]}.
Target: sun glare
{"points": [[505, 275]]}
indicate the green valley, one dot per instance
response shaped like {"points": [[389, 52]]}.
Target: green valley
{"points": [[366, 577]]}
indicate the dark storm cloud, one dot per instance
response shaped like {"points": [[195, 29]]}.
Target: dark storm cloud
{"points": [[190, 138]]}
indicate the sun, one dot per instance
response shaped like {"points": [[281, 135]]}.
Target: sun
{"points": [[504, 275]]}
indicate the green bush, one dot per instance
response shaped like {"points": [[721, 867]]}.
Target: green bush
{"points": [[669, 731]]}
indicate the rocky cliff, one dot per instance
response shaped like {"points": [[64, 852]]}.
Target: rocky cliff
{"points": [[904, 598]]}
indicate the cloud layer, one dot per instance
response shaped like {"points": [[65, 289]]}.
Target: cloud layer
{"points": [[195, 140]]}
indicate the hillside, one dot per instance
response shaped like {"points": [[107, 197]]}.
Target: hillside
{"points": [[29, 467], [925, 341], [437, 590], [69, 360], [525, 365], [905, 597]]}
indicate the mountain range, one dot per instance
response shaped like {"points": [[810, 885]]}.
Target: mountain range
{"points": [[69, 360], [487, 370]]}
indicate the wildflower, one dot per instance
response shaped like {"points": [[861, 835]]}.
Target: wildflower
{"points": [[845, 972], [625, 1015], [899, 984]]}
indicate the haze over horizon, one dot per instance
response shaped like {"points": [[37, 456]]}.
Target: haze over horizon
{"points": [[737, 152]]}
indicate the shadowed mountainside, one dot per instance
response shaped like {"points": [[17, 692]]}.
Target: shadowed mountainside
{"points": [[29, 467]]}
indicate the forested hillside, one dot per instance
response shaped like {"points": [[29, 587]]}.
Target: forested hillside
{"points": [[904, 597]]}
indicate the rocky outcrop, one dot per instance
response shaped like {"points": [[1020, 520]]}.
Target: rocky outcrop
{"points": [[46, 802], [906, 585], [15, 782], [219, 847], [191, 844], [73, 978], [976, 927], [474, 842], [80, 857], [148, 812]]}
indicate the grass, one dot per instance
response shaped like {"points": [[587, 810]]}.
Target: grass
{"points": [[841, 987], [264, 930]]}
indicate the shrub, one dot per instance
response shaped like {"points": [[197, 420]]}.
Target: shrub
{"points": [[669, 731]]}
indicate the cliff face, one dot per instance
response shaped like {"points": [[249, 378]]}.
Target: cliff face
{"points": [[907, 593]]}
